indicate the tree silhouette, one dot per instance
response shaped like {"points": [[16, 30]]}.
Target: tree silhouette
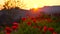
{"points": [[9, 16], [14, 3]]}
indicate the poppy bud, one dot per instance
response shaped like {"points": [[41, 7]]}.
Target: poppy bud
{"points": [[51, 29], [45, 28]]}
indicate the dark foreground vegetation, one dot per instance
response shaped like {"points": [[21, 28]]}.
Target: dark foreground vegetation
{"points": [[41, 24]]}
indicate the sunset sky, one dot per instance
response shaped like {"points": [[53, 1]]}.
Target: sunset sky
{"points": [[28, 4]]}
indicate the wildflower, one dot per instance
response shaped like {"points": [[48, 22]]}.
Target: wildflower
{"points": [[15, 24], [51, 29], [14, 27], [34, 20], [54, 33], [29, 23], [45, 28], [23, 19], [8, 30]]}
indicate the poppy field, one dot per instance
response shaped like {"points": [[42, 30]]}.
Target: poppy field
{"points": [[41, 24]]}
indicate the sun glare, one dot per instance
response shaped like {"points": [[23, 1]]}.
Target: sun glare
{"points": [[35, 6]]}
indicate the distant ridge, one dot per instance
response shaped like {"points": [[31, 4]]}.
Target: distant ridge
{"points": [[49, 9]]}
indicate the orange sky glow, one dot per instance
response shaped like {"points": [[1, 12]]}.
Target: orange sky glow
{"points": [[28, 4]]}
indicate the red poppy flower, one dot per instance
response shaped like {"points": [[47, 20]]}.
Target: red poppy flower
{"points": [[23, 19], [14, 27], [29, 23], [15, 24], [45, 28], [54, 33], [8, 29], [34, 20], [51, 29]]}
